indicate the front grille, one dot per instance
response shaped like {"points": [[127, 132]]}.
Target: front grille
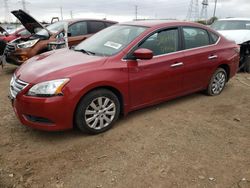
{"points": [[10, 48], [16, 86]]}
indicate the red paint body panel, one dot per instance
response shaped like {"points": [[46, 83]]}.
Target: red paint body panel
{"points": [[140, 82]]}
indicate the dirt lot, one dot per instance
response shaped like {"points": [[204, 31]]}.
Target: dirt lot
{"points": [[194, 141]]}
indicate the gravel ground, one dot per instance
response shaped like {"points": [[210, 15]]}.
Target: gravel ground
{"points": [[193, 141]]}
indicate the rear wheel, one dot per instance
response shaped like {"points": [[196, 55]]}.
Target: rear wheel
{"points": [[97, 111], [217, 82]]}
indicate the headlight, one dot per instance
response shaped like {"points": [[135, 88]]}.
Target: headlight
{"points": [[27, 44], [49, 88]]}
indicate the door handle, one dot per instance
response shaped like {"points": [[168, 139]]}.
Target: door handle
{"points": [[177, 64], [212, 57]]}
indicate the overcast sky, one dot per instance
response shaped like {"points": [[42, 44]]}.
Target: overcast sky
{"points": [[123, 10]]}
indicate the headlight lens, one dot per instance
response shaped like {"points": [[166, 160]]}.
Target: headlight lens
{"points": [[49, 88], [28, 44]]}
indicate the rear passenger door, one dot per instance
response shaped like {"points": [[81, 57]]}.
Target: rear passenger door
{"points": [[77, 33], [199, 58]]}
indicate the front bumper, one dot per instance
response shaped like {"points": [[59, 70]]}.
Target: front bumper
{"points": [[49, 114]]}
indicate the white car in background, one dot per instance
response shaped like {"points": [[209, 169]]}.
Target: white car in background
{"points": [[238, 30]]}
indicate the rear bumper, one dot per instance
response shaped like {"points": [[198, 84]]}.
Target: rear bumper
{"points": [[48, 114]]}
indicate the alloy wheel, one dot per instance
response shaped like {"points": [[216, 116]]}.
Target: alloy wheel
{"points": [[100, 113], [218, 82]]}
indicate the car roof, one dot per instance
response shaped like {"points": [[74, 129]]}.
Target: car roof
{"points": [[161, 23], [236, 19], [87, 19]]}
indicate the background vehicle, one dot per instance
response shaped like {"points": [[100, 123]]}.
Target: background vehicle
{"points": [[238, 30], [19, 50], [120, 69], [21, 32]]}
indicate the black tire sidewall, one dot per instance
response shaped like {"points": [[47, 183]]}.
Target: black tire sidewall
{"points": [[209, 89], [84, 103]]}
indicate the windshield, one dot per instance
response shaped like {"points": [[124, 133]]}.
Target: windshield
{"points": [[231, 25], [111, 40], [53, 28]]}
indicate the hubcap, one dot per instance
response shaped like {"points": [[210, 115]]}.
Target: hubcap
{"points": [[100, 113], [218, 83]]}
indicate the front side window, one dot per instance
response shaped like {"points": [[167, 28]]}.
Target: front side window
{"points": [[162, 42], [111, 40], [195, 37], [77, 29]]}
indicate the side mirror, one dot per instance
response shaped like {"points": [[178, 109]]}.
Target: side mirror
{"points": [[69, 34], [143, 53], [6, 34]]}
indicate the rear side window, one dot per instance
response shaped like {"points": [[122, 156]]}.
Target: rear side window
{"points": [[195, 37], [162, 42], [77, 29], [214, 38], [94, 26]]}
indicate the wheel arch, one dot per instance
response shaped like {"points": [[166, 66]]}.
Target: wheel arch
{"points": [[227, 69], [113, 89]]}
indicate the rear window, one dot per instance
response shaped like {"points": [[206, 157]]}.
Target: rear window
{"points": [[231, 25]]}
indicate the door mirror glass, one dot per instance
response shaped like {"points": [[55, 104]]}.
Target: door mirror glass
{"points": [[143, 53]]}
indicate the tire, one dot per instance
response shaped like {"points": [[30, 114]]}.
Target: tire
{"points": [[93, 118], [2, 46], [247, 64], [217, 82]]}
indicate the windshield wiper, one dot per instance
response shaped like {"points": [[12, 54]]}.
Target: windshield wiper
{"points": [[85, 51]]}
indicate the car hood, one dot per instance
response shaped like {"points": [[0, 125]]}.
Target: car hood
{"points": [[56, 65], [28, 21], [239, 36], [2, 30]]}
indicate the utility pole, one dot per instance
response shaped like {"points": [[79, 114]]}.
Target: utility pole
{"points": [[193, 10], [215, 6], [6, 11], [71, 14], [204, 10], [61, 10], [136, 11], [24, 5]]}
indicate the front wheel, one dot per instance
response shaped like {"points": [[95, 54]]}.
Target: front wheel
{"points": [[217, 82], [97, 111]]}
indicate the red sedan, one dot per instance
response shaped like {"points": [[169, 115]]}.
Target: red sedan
{"points": [[120, 69]]}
